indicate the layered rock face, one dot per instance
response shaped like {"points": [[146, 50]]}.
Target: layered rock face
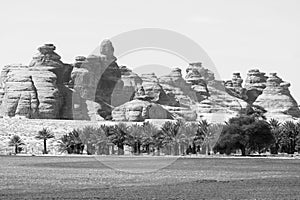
{"points": [[234, 87], [96, 88], [139, 110], [18, 95], [205, 73], [174, 85], [94, 81], [155, 90], [276, 98], [220, 105], [255, 83], [47, 71], [34, 91], [125, 87], [198, 83]]}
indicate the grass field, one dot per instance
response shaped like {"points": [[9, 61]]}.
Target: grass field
{"points": [[76, 177]]}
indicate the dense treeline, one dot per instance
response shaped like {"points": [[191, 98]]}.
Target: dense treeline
{"points": [[172, 138], [247, 133]]}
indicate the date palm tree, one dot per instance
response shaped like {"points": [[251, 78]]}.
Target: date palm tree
{"points": [[148, 132], [214, 131], [100, 139], [276, 131], [16, 142], [208, 135], [71, 142], [87, 137], [44, 135], [119, 136], [291, 131], [134, 138], [64, 144], [171, 137], [188, 134], [203, 135], [158, 141]]}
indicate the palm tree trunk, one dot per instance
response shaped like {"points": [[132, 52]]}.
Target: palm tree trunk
{"points": [[121, 150], [207, 151], [243, 151], [158, 151], [45, 146], [16, 149], [176, 149], [148, 149]]}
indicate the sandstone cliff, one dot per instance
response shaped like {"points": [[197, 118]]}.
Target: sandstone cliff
{"points": [[34, 91], [276, 98], [255, 83], [97, 88]]}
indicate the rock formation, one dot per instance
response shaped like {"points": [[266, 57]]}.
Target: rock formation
{"points": [[205, 73], [19, 95], [220, 105], [34, 91], [96, 88], [139, 110], [155, 90], [125, 87], [276, 98], [94, 81], [174, 85], [234, 87], [198, 83], [255, 83]]}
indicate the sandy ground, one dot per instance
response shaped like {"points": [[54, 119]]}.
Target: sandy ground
{"points": [[113, 177]]}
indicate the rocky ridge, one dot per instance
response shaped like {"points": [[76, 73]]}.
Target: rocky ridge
{"points": [[97, 88]]}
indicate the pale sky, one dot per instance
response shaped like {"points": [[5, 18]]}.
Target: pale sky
{"points": [[238, 35]]}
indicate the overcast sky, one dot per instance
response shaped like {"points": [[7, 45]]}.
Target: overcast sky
{"points": [[238, 35]]}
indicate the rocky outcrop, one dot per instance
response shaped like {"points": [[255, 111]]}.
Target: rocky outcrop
{"points": [[139, 110], [205, 73], [220, 105], [125, 87], [19, 95], [96, 88], [182, 113], [154, 89], [174, 85], [276, 98], [198, 83], [234, 87], [47, 71], [35, 91], [95, 79], [255, 83]]}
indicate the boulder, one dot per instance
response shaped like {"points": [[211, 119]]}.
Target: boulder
{"points": [[276, 98]]}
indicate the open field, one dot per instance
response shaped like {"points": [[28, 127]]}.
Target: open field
{"points": [[77, 177]]}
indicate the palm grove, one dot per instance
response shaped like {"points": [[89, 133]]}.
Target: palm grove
{"points": [[249, 132]]}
